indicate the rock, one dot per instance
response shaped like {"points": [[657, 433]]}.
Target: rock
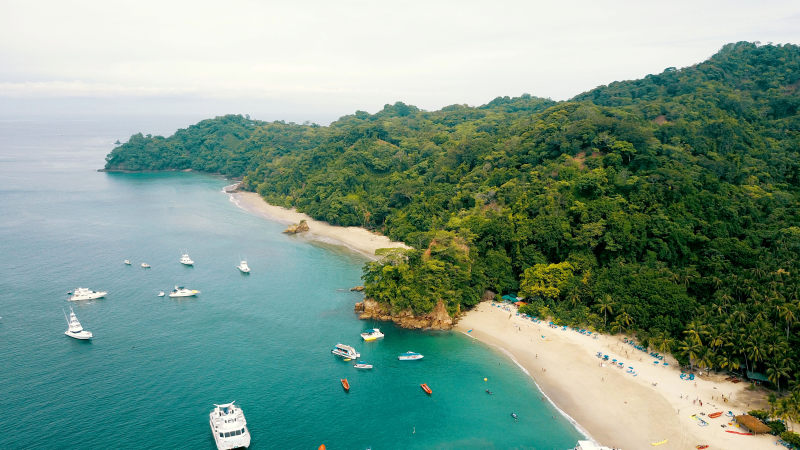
{"points": [[299, 228], [438, 319], [357, 288]]}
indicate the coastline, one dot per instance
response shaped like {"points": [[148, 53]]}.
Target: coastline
{"points": [[357, 239], [608, 404]]}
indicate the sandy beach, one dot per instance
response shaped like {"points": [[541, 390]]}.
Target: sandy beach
{"points": [[358, 239], [617, 408]]}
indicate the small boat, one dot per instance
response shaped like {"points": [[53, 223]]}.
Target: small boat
{"points": [[426, 388], [345, 384], [145, 266], [362, 365], [410, 356], [74, 328], [345, 351], [714, 415], [243, 267], [371, 335], [656, 444], [185, 260], [161, 294], [701, 447], [86, 294], [181, 291], [229, 427], [515, 416], [127, 262]]}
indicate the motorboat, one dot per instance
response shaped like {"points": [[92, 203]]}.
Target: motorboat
{"points": [[145, 266], [371, 335], [229, 427], [86, 294], [181, 291], [410, 356], [362, 365], [161, 294], [345, 351], [185, 260], [345, 384], [74, 328], [425, 388], [127, 262], [243, 267]]}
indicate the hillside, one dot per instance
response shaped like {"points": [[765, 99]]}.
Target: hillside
{"points": [[666, 207]]}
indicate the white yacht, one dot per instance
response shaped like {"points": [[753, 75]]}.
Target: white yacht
{"points": [[86, 294], [127, 262], [345, 351], [74, 329], [371, 335], [410, 356], [229, 427], [243, 267], [186, 261], [362, 365], [145, 266], [181, 291]]}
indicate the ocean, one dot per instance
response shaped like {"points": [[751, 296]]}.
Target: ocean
{"points": [[157, 365]]}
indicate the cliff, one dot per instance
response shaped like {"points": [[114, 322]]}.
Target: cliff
{"points": [[438, 319]]}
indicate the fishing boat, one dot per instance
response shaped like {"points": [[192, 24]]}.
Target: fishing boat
{"points": [[181, 291], [410, 356], [426, 388], [74, 328], [243, 267], [362, 365], [127, 262], [371, 335], [345, 351], [86, 294], [185, 260], [229, 427], [145, 266], [345, 384]]}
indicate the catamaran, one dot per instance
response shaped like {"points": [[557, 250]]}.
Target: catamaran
{"points": [[181, 291], [229, 427], [371, 335], [86, 294], [345, 351], [74, 328], [186, 261]]}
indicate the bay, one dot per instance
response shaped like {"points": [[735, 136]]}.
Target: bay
{"points": [[156, 366]]}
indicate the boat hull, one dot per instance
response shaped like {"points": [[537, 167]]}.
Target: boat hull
{"points": [[83, 335]]}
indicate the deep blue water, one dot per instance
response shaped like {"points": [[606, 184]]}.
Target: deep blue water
{"points": [[150, 376]]}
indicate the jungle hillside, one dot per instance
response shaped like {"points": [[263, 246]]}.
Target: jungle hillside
{"points": [[666, 207]]}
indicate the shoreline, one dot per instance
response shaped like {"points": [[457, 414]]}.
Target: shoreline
{"points": [[357, 239], [610, 405]]}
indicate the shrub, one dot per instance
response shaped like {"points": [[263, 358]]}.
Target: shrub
{"points": [[759, 414], [792, 438]]}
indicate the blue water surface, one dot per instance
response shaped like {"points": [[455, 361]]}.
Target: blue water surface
{"points": [[156, 366]]}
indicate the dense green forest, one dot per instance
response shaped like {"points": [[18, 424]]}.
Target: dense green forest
{"points": [[667, 207]]}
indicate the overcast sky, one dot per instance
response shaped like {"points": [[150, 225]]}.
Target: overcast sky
{"points": [[318, 60]]}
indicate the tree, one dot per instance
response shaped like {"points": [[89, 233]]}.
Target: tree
{"points": [[605, 305], [545, 280]]}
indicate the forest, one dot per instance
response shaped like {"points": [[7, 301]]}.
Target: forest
{"points": [[666, 207]]}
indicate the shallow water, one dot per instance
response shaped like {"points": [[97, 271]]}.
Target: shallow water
{"points": [[150, 376]]}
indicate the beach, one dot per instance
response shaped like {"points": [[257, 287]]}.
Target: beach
{"points": [[618, 407], [358, 239]]}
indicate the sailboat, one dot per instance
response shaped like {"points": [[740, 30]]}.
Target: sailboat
{"points": [[75, 330]]}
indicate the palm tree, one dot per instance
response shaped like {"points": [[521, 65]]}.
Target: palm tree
{"points": [[691, 347], [625, 319], [605, 305], [786, 312]]}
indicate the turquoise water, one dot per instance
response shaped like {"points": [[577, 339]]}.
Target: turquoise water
{"points": [[150, 376]]}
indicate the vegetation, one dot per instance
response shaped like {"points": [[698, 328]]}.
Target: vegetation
{"points": [[666, 207]]}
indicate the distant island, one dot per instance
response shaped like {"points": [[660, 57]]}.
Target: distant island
{"points": [[666, 207]]}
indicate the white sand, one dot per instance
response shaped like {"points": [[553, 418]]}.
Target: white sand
{"points": [[354, 238], [616, 408]]}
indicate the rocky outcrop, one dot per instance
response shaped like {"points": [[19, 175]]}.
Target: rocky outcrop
{"points": [[438, 319], [357, 288], [299, 228]]}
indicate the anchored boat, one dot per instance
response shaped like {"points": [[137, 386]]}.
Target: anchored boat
{"points": [[410, 356], [181, 291], [229, 427], [345, 351], [371, 335], [86, 294]]}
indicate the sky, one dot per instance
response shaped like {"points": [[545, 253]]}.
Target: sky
{"points": [[318, 60]]}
